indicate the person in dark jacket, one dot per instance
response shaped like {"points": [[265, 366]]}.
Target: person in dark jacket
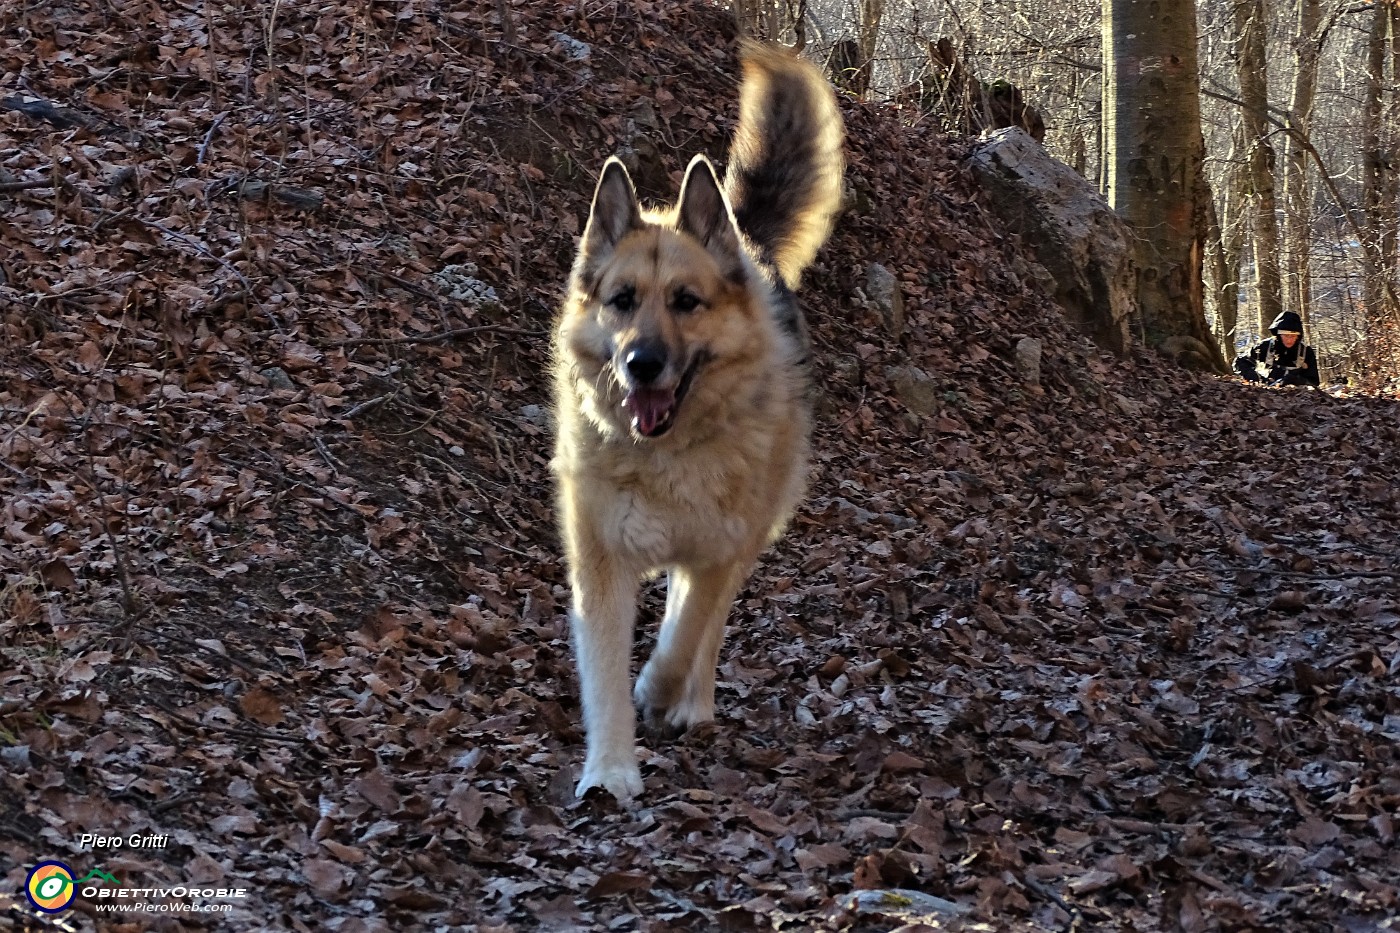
{"points": [[1283, 359]]}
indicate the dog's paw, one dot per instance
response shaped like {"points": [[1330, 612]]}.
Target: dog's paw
{"points": [[621, 779], [672, 703], [656, 693], [689, 712], [678, 718]]}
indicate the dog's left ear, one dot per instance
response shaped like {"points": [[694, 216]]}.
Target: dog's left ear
{"points": [[704, 214]]}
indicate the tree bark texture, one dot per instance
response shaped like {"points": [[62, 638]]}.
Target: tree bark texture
{"points": [[774, 20], [1389, 221], [1226, 236], [1152, 124], [1225, 233], [1254, 91], [1297, 188], [872, 13], [1378, 184]]}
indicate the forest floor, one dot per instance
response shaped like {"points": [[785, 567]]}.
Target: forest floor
{"points": [[279, 580]]}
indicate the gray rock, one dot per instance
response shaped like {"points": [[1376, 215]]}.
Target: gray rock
{"points": [[575, 49], [459, 282], [1028, 350], [882, 288], [914, 908], [854, 514], [537, 415], [1126, 405], [916, 389], [1077, 237], [277, 378]]}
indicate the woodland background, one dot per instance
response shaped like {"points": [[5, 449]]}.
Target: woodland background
{"points": [[1300, 110], [1116, 648]]}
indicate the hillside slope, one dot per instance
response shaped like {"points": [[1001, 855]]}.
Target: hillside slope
{"points": [[279, 571]]}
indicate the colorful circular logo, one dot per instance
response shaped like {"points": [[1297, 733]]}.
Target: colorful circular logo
{"points": [[50, 887]]}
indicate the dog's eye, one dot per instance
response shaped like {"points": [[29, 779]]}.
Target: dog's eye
{"points": [[624, 301], [684, 302]]}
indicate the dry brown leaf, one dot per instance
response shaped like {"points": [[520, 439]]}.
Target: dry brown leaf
{"points": [[262, 706]]}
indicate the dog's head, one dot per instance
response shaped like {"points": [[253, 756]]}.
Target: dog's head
{"points": [[659, 300]]}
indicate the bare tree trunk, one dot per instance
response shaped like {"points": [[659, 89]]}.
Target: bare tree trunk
{"points": [[1254, 91], [771, 19], [1296, 187], [1390, 183], [868, 32], [1373, 167], [799, 25], [1232, 246], [1152, 122], [1227, 239], [745, 16], [1215, 252], [1078, 154]]}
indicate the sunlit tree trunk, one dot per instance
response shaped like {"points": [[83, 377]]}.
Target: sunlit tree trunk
{"points": [[1296, 187], [1378, 174], [1215, 256], [1078, 148], [746, 16], [1227, 237], [872, 12], [1389, 220], [1152, 120], [799, 26], [1254, 92], [778, 20]]}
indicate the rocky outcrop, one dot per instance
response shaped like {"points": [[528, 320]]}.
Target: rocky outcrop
{"points": [[1076, 236]]}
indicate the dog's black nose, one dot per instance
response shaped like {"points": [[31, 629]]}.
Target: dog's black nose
{"points": [[645, 361]]}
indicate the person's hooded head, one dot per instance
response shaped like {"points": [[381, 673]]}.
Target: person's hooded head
{"points": [[1287, 327]]}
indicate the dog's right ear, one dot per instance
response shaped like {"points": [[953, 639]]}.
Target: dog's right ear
{"points": [[615, 213]]}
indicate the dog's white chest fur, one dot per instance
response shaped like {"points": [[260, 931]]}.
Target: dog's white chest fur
{"points": [[683, 512]]}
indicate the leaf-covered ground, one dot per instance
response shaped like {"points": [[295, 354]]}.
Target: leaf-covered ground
{"points": [[279, 575]]}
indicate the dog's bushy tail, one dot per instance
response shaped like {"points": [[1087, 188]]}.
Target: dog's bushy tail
{"points": [[785, 164]]}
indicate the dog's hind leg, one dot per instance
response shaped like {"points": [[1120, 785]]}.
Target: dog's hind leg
{"points": [[677, 686], [605, 612]]}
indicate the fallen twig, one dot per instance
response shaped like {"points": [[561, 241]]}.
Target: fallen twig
{"points": [[68, 118], [209, 138], [243, 731], [1352, 575], [367, 405], [10, 187], [437, 338]]}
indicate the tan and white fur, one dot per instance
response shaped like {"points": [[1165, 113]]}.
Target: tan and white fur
{"points": [[682, 401]]}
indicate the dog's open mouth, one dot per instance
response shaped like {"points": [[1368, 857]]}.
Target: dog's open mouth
{"points": [[654, 410]]}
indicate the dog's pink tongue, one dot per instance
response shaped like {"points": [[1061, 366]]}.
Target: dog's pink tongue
{"points": [[650, 408]]}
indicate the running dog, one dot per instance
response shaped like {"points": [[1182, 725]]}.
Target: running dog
{"points": [[682, 401]]}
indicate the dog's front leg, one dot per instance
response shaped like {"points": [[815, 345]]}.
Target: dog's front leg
{"points": [[677, 685], [604, 614]]}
